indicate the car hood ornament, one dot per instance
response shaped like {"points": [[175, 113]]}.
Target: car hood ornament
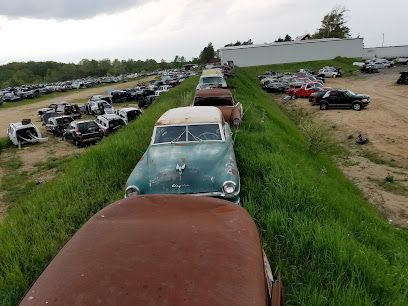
{"points": [[180, 168]]}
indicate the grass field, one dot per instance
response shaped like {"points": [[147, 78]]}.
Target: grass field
{"points": [[329, 244]]}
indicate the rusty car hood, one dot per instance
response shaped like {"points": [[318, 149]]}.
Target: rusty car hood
{"points": [[158, 250]]}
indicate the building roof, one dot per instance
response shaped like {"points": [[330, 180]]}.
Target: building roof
{"points": [[158, 250], [191, 115], [213, 92], [309, 41]]}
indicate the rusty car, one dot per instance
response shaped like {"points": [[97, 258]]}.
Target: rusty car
{"points": [[191, 152], [161, 250], [224, 100]]}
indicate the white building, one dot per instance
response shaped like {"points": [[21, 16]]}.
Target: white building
{"points": [[293, 51], [386, 52]]}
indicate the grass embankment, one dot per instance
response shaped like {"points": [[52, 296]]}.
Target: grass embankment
{"points": [[41, 222], [328, 243]]}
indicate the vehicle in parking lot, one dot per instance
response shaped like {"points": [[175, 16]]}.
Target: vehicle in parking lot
{"points": [[340, 98], [211, 81], [306, 90], [224, 100], [128, 114], [99, 107], [110, 123], [191, 152], [315, 97], [380, 63], [162, 89], [24, 132], [10, 97], [58, 125], [81, 132], [276, 87], [403, 79], [162, 250], [329, 72], [369, 68], [118, 96]]}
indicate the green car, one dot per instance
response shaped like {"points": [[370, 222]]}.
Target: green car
{"points": [[191, 152]]}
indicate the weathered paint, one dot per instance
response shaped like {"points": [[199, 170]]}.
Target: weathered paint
{"points": [[158, 250], [190, 115], [208, 165]]}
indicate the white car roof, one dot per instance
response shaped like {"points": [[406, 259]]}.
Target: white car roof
{"points": [[110, 116], [191, 115], [129, 109], [19, 125]]}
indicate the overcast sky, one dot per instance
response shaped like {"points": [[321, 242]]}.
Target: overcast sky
{"points": [[70, 30]]}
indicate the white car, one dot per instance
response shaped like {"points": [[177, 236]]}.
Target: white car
{"points": [[24, 132], [328, 72], [99, 107], [128, 113], [380, 63], [162, 89], [109, 123], [211, 81]]}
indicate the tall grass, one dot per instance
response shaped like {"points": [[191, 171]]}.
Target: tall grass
{"points": [[38, 225], [328, 243]]}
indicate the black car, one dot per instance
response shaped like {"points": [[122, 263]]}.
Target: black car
{"points": [[316, 97], [369, 69], [119, 96], [58, 125], [343, 99], [403, 79], [83, 132]]}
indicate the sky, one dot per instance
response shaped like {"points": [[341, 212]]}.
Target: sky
{"points": [[70, 30]]}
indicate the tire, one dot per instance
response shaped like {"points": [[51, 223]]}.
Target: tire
{"points": [[324, 106], [357, 106], [334, 76]]}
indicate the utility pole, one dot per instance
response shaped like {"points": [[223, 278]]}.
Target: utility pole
{"points": [[382, 45]]}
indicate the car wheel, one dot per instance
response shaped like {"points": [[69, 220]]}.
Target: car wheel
{"points": [[236, 122], [324, 106], [334, 76], [357, 106]]}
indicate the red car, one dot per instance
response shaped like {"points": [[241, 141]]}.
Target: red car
{"points": [[306, 90]]}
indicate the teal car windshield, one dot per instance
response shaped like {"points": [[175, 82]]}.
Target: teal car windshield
{"points": [[188, 133]]}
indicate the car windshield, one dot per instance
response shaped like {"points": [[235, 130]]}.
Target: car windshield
{"points": [[214, 101], [211, 80], [189, 133], [116, 123], [64, 121], [88, 127]]}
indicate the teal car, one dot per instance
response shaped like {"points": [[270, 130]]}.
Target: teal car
{"points": [[191, 152]]}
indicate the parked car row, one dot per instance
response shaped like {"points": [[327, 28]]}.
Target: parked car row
{"points": [[15, 94], [277, 82], [303, 85]]}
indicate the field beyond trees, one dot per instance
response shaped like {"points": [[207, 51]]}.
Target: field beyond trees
{"points": [[330, 246]]}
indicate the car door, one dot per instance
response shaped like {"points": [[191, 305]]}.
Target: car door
{"points": [[332, 99], [344, 100]]}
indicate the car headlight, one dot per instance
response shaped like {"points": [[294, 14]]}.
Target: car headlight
{"points": [[131, 191], [364, 100], [229, 188]]}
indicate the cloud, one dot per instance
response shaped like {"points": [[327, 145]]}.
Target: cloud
{"points": [[64, 9]]}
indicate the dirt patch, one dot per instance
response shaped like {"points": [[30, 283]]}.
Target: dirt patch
{"points": [[15, 114], [385, 123]]}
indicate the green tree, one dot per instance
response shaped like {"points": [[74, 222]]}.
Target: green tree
{"points": [[208, 54], [333, 25]]}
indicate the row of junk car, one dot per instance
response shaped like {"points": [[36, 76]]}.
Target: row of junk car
{"points": [[311, 85], [67, 120], [179, 237]]}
